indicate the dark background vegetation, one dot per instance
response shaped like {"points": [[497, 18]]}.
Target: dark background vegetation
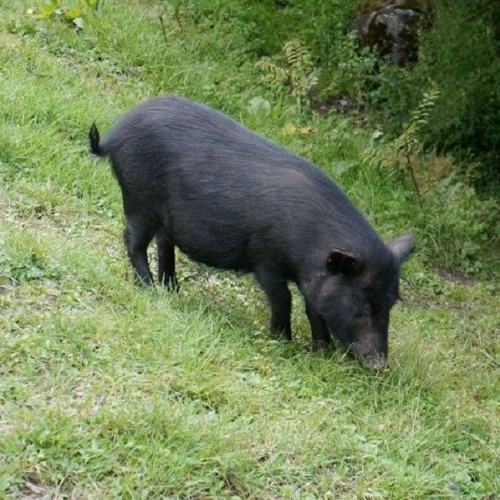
{"points": [[458, 54]]}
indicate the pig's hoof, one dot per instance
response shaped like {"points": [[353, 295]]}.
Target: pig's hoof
{"points": [[320, 345]]}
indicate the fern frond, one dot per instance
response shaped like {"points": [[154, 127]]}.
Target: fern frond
{"points": [[418, 120], [298, 71], [272, 73]]}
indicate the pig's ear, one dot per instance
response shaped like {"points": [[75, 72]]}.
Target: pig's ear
{"points": [[340, 261], [403, 247]]}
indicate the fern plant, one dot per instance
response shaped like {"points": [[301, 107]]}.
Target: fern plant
{"points": [[296, 71], [401, 152], [408, 143]]}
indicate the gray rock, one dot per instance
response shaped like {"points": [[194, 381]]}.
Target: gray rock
{"points": [[393, 29]]}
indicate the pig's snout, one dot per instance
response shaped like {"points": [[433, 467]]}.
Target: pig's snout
{"points": [[375, 362], [369, 355]]}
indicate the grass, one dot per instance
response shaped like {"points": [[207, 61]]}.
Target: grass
{"points": [[109, 391]]}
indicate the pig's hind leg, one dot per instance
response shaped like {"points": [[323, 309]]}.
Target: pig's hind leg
{"points": [[280, 301], [138, 234], [166, 262]]}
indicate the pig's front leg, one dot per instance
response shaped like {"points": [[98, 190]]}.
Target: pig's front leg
{"points": [[320, 334], [280, 301]]}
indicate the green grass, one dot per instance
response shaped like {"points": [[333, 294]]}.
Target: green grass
{"points": [[108, 391]]}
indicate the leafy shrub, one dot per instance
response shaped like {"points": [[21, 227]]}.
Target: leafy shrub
{"points": [[351, 70], [71, 11], [458, 53]]}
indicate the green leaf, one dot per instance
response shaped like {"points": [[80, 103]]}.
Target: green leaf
{"points": [[339, 168], [78, 22], [74, 13], [46, 11]]}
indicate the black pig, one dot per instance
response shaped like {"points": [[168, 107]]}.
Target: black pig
{"points": [[195, 179]]}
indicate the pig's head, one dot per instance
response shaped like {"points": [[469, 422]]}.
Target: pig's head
{"points": [[354, 296]]}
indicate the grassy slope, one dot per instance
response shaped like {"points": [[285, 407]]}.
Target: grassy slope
{"points": [[108, 390]]}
